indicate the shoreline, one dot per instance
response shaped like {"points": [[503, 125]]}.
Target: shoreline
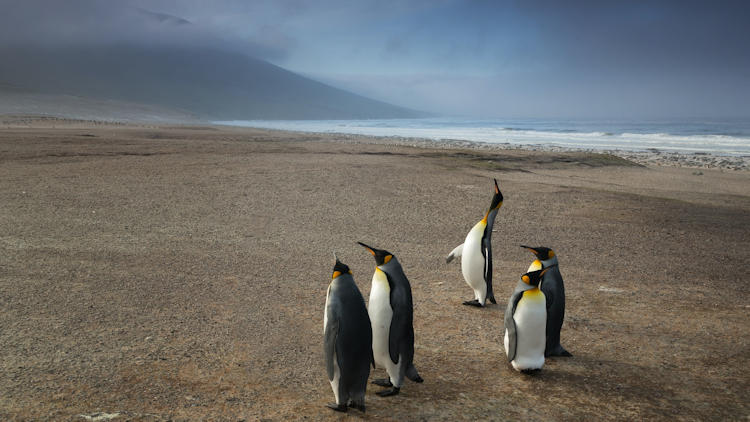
{"points": [[651, 157], [698, 160]]}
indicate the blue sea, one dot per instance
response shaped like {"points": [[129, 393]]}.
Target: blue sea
{"points": [[718, 137]]}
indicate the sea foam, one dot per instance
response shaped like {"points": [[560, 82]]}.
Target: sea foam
{"points": [[684, 137]]}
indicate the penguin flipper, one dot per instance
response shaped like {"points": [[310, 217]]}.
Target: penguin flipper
{"points": [[510, 324], [401, 332], [455, 253], [549, 296], [487, 252], [396, 333], [329, 346]]}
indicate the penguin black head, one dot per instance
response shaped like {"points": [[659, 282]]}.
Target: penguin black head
{"points": [[381, 256], [497, 200], [541, 252], [340, 268], [534, 277]]}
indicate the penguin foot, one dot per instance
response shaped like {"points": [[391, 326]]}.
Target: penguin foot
{"points": [[390, 392], [337, 407], [383, 382], [412, 374], [358, 406], [531, 371], [558, 351], [474, 303]]}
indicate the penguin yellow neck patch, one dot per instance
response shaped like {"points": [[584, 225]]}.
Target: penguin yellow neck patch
{"points": [[535, 266], [534, 294], [380, 279]]}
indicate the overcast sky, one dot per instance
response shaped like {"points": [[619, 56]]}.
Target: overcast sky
{"points": [[582, 59]]}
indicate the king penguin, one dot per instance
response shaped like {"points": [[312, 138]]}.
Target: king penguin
{"points": [[391, 315], [347, 340], [554, 290], [476, 254], [525, 323]]}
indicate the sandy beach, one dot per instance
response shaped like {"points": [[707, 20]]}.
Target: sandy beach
{"points": [[179, 273]]}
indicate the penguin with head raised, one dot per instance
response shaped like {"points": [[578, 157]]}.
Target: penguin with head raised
{"points": [[347, 340], [525, 323], [554, 290], [476, 254], [391, 314]]}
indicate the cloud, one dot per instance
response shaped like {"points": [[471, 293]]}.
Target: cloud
{"points": [[521, 57], [86, 22], [164, 18]]}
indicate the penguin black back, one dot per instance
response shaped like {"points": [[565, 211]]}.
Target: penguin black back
{"points": [[347, 340]]}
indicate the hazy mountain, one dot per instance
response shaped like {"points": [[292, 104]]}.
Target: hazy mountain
{"points": [[206, 82]]}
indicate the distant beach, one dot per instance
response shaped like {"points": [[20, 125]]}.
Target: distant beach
{"points": [[724, 145]]}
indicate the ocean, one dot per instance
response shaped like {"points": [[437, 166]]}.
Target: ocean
{"points": [[717, 137]]}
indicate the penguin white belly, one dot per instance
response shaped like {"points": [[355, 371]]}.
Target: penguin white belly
{"points": [[472, 261], [381, 314], [531, 325]]}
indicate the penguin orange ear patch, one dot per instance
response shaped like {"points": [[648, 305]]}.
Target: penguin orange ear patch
{"points": [[387, 259], [551, 253], [336, 274], [525, 279]]}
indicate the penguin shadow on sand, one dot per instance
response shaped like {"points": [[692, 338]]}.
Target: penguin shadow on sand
{"points": [[603, 379]]}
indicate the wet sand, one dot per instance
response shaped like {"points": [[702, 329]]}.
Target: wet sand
{"points": [[179, 273]]}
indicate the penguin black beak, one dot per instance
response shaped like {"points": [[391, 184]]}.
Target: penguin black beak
{"points": [[497, 199], [372, 251], [530, 248]]}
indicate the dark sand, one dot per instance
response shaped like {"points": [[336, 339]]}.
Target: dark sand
{"points": [[180, 274]]}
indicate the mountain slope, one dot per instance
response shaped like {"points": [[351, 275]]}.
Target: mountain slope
{"points": [[210, 83]]}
